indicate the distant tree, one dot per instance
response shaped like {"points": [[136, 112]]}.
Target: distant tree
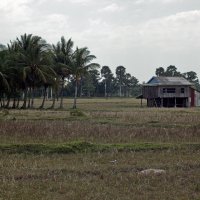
{"points": [[172, 71], [192, 77], [135, 86], [160, 71], [90, 82], [106, 73], [120, 76], [127, 84]]}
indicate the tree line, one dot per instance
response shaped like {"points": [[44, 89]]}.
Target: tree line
{"points": [[30, 67], [172, 71]]}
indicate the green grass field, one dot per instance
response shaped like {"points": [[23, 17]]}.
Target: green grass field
{"points": [[99, 151]]}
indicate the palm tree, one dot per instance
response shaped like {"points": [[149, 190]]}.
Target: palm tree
{"points": [[107, 75], [62, 54], [81, 63], [15, 69], [4, 87], [120, 75], [4, 84], [33, 59]]}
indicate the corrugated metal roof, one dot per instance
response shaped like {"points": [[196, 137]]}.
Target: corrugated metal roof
{"points": [[161, 80]]}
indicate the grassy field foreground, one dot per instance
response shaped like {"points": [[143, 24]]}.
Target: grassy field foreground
{"points": [[99, 151]]}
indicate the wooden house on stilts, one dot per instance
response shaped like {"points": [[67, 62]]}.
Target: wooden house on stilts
{"points": [[170, 92]]}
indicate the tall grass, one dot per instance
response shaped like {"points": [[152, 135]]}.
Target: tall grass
{"points": [[120, 123]]}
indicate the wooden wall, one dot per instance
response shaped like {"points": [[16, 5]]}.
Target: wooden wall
{"points": [[157, 91], [150, 92]]}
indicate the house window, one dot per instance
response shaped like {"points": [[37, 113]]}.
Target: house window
{"points": [[182, 90], [169, 90]]}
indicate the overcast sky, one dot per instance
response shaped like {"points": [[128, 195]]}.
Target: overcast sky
{"points": [[141, 35]]}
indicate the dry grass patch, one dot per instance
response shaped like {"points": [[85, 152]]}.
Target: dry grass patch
{"points": [[101, 176]]}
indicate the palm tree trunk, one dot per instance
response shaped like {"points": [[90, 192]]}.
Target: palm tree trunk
{"points": [[105, 88], [120, 90], [75, 95], [8, 102], [128, 92], [61, 94], [51, 93], [47, 94], [17, 106], [44, 97], [14, 103], [54, 99], [3, 100], [88, 94], [29, 98], [81, 87], [32, 97], [25, 99]]}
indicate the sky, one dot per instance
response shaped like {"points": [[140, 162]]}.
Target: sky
{"points": [[141, 35]]}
